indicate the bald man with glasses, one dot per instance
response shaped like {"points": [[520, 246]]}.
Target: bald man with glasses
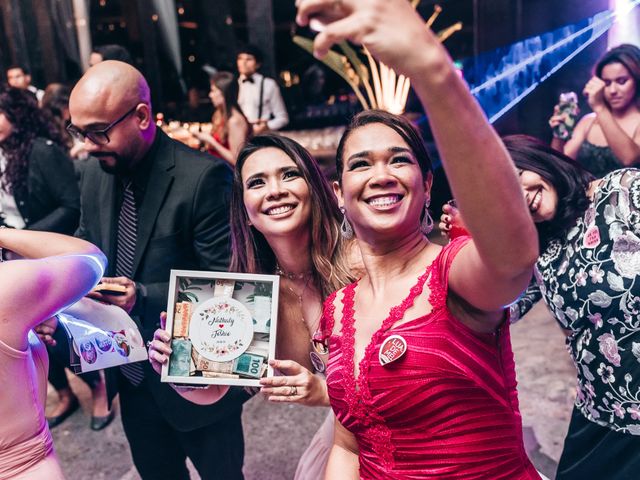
{"points": [[152, 205]]}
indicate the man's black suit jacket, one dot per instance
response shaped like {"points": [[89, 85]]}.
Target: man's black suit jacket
{"points": [[183, 223]]}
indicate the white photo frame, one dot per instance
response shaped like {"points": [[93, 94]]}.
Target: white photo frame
{"points": [[223, 327]]}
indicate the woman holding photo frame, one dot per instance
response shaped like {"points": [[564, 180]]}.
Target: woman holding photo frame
{"points": [[285, 220]]}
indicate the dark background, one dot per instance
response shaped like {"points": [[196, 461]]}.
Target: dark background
{"points": [[41, 35]]}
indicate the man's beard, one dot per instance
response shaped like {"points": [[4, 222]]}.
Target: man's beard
{"points": [[120, 168]]}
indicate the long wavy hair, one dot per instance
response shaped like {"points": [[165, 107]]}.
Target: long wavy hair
{"points": [[250, 250], [565, 175], [227, 83], [20, 107]]}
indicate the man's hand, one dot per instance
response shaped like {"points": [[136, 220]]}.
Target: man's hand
{"points": [[46, 330], [126, 301]]}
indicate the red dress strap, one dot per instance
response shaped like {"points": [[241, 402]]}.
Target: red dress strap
{"points": [[439, 281], [327, 319]]}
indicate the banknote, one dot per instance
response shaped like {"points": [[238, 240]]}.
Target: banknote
{"points": [[181, 319], [180, 359], [249, 365]]}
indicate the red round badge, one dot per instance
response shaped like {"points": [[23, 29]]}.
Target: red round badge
{"points": [[392, 349]]}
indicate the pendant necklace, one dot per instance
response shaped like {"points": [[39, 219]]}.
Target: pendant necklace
{"points": [[316, 360], [292, 277]]}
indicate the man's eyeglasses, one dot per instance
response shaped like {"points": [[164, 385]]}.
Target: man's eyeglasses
{"points": [[99, 137]]}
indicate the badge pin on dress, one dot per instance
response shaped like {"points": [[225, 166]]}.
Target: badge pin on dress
{"points": [[317, 362], [392, 349]]}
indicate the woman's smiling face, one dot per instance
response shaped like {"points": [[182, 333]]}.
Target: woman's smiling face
{"points": [[276, 195], [540, 195], [383, 189]]}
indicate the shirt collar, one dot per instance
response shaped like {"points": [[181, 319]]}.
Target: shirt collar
{"points": [[140, 173]]}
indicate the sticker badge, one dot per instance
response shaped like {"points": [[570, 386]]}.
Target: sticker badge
{"points": [[317, 362], [392, 349], [591, 237]]}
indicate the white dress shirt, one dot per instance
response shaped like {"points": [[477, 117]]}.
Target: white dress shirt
{"points": [[273, 108], [37, 92]]}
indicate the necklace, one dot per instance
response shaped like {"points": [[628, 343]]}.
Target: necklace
{"points": [[293, 277]]}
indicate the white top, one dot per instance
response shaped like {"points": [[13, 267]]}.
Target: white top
{"points": [[9, 213], [273, 108]]}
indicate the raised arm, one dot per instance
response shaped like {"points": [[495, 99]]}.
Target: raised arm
{"points": [[59, 271], [498, 263]]}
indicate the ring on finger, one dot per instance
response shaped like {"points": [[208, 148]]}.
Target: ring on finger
{"points": [[148, 344], [293, 390]]}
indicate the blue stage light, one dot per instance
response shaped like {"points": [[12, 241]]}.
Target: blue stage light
{"points": [[501, 79]]}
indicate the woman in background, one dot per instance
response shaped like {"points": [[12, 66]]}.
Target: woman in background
{"points": [[589, 277], [230, 128], [608, 138], [60, 271]]}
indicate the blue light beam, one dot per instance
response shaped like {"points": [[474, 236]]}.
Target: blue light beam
{"points": [[501, 79]]}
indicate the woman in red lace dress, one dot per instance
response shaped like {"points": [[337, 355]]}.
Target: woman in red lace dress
{"points": [[421, 374]]}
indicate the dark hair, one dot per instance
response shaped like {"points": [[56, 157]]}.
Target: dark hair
{"points": [[54, 104], [114, 52], [399, 124], [250, 251], [227, 83], [27, 122], [15, 66], [626, 54], [564, 174], [251, 49]]}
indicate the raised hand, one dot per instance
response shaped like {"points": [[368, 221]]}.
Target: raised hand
{"points": [[594, 91], [390, 29]]}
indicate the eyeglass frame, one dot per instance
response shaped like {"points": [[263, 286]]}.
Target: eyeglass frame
{"points": [[82, 135]]}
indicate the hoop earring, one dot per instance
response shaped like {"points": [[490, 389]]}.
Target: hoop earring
{"points": [[427, 222], [345, 227]]}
